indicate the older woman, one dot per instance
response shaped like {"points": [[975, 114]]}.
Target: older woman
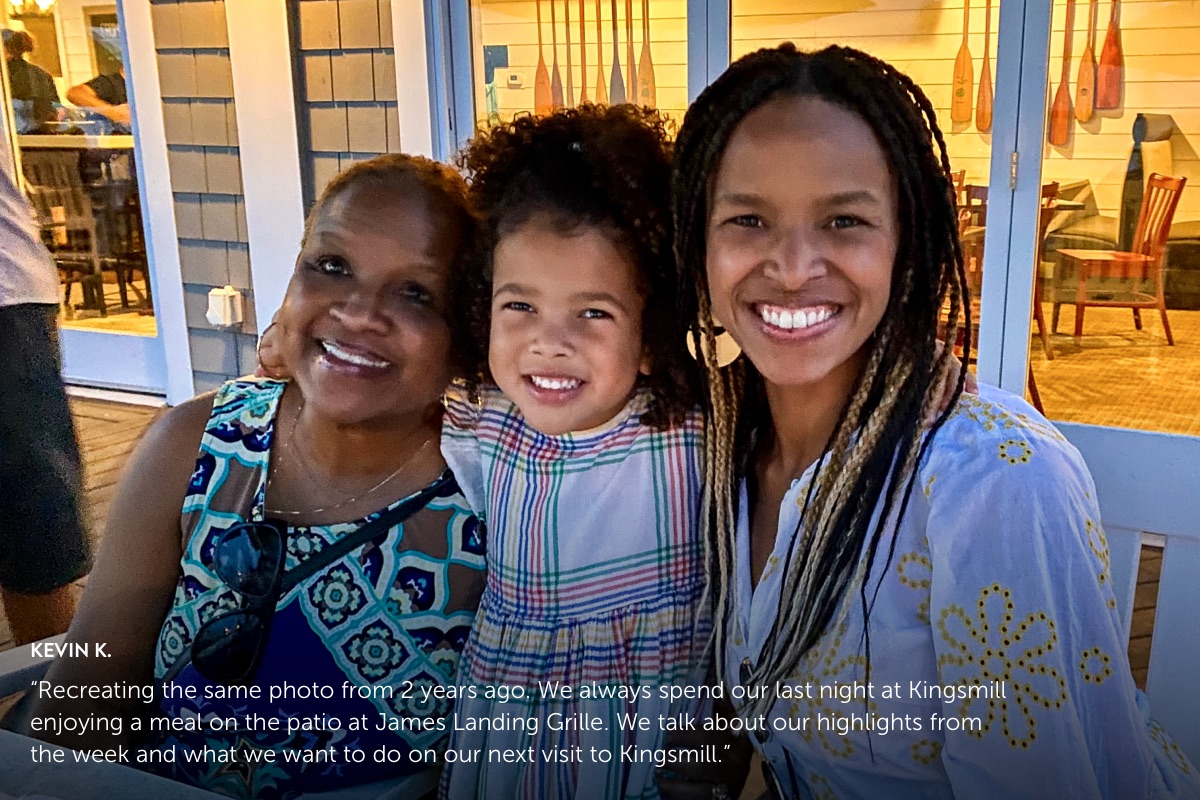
{"points": [[926, 610], [317, 541]]}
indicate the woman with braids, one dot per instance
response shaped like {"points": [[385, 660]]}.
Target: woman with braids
{"points": [[580, 449], [925, 608]]}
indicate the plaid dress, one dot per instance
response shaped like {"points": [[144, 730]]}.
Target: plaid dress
{"points": [[595, 580]]}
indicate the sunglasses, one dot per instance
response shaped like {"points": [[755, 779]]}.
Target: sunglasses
{"points": [[248, 558]]}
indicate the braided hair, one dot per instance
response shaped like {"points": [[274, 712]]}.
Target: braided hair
{"points": [[870, 460], [607, 167]]}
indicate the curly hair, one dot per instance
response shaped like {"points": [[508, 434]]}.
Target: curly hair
{"points": [[446, 196], [603, 166], [869, 463]]}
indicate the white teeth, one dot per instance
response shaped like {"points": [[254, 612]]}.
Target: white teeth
{"points": [[353, 358], [555, 384], [792, 319]]}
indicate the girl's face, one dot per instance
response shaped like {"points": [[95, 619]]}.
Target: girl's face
{"points": [[566, 336], [802, 238], [366, 334]]}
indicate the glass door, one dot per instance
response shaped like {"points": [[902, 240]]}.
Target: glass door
{"points": [[66, 99], [1108, 331]]}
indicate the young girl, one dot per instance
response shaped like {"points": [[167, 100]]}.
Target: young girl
{"points": [[579, 447]]}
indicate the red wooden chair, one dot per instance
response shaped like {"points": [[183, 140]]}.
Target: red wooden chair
{"points": [[1045, 215], [1141, 265]]}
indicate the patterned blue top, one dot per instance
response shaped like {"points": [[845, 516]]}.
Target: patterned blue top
{"points": [[391, 617]]}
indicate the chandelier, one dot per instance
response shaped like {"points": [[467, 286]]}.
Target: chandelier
{"points": [[26, 8]]}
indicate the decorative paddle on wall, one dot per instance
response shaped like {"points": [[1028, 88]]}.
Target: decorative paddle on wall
{"points": [[632, 85], [583, 96], [556, 90], [960, 105], [983, 103], [1060, 112], [542, 99], [570, 72], [617, 81], [601, 89], [647, 92], [1085, 82], [1108, 76]]}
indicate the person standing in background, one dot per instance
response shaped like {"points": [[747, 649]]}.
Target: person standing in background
{"points": [[35, 97], [43, 539], [105, 94]]}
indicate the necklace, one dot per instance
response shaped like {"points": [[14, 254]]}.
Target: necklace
{"points": [[290, 447]]}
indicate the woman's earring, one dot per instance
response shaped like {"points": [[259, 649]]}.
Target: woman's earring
{"points": [[727, 349]]}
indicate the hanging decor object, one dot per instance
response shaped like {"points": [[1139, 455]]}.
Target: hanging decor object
{"points": [[1060, 112], [601, 89], [960, 104], [556, 84], [570, 73], [583, 95], [542, 103], [631, 86], [1108, 76], [647, 92], [617, 81], [983, 103], [1085, 82]]}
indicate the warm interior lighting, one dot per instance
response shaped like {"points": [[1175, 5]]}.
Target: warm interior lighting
{"points": [[26, 7]]}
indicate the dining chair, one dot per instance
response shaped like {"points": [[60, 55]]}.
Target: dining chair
{"points": [[1049, 207], [958, 179], [1140, 265]]}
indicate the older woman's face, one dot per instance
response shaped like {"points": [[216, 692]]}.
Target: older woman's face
{"points": [[366, 331], [802, 238]]}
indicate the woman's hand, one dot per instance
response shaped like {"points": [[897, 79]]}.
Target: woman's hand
{"points": [[270, 354]]}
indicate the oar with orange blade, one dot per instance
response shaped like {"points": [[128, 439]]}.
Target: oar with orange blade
{"points": [[983, 103], [1060, 112], [1108, 75], [542, 100], [1085, 83]]}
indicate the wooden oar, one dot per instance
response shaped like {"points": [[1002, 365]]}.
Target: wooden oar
{"points": [[647, 92], [632, 85], [960, 105], [556, 90], [601, 89], [1108, 76], [983, 103], [616, 83], [1085, 83], [1060, 112], [542, 99], [583, 96], [570, 77]]}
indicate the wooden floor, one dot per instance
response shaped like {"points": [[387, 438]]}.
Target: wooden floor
{"points": [[108, 432]]}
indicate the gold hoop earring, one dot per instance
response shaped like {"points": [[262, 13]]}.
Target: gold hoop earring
{"points": [[727, 349]]}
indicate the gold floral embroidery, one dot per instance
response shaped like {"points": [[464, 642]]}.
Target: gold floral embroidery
{"points": [[929, 485], [989, 648], [820, 788], [1014, 451], [926, 751], [1099, 546], [1094, 664], [1160, 737], [824, 666], [916, 572], [991, 417]]}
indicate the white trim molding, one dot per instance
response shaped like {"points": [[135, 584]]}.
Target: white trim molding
{"points": [[260, 56]]}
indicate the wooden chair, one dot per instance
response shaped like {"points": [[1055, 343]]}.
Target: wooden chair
{"points": [[1142, 264], [958, 179], [67, 220], [1045, 216]]}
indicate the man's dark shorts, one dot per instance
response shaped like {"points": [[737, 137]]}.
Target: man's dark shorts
{"points": [[43, 539]]}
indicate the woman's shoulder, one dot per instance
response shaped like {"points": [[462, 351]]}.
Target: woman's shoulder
{"points": [[997, 439]]}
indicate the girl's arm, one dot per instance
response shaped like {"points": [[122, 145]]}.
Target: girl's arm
{"points": [[129, 592]]}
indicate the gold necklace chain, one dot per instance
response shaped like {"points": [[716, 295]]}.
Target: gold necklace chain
{"points": [[290, 447]]}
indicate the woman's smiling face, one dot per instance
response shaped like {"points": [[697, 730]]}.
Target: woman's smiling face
{"points": [[367, 336], [802, 238]]}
